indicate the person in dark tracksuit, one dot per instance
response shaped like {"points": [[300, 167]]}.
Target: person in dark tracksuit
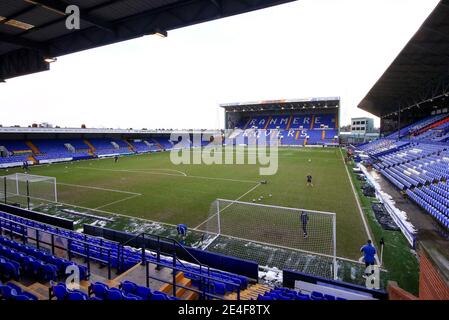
{"points": [[304, 222], [309, 180]]}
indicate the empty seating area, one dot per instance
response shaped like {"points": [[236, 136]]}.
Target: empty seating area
{"points": [[140, 146], [11, 291], [289, 294], [418, 164], [13, 153], [23, 259], [434, 200], [410, 153], [293, 130], [286, 122], [162, 143], [382, 146]]}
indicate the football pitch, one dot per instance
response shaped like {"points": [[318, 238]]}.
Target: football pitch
{"points": [[147, 193]]}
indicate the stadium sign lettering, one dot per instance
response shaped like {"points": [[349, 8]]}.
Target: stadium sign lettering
{"points": [[257, 147]]}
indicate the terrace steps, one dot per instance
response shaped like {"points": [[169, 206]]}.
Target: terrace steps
{"points": [[116, 281], [251, 293], [32, 159], [158, 144], [182, 293], [130, 146], [33, 147], [90, 145], [35, 289]]}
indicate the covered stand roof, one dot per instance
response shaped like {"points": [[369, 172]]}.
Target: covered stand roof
{"points": [[33, 29], [419, 74], [286, 104]]}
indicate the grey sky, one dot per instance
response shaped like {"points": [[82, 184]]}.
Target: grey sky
{"points": [[303, 49]]}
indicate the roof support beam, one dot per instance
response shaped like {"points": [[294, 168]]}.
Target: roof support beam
{"points": [[17, 14]]}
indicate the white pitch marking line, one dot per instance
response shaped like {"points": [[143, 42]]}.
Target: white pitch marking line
{"points": [[135, 171], [170, 174], [114, 202], [113, 213], [250, 190], [368, 233], [98, 188], [148, 170], [222, 179]]}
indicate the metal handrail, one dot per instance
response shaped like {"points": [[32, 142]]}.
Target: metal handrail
{"points": [[53, 246], [174, 242], [202, 276]]}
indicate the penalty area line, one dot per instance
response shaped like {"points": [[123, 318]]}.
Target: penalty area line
{"points": [[117, 201], [97, 188]]}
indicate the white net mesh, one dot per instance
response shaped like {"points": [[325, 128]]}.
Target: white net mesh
{"points": [[274, 236], [17, 188]]}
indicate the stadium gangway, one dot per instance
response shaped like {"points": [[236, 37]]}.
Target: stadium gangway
{"points": [[8, 226], [205, 280]]}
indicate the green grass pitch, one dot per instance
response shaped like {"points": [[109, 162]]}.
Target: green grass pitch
{"points": [[149, 186]]}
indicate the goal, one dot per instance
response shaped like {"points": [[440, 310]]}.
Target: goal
{"points": [[305, 233], [26, 188]]}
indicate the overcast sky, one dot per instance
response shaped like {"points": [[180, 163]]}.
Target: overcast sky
{"points": [[307, 48]]}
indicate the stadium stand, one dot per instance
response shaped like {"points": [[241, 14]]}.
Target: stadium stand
{"points": [[289, 294], [294, 130], [25, 259], [418, 164], [19, 260], [40, 151]]}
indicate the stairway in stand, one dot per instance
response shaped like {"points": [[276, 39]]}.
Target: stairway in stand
{"points": [[181, 293], [130, 146], [90, 145], [32, 147], [251, 293], [32, 159], [158, 144]]}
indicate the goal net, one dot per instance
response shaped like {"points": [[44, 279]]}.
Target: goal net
{"points": [[27, 189], [306, 235]]}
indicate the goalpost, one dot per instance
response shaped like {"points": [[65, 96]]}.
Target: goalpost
{"points": [[34, 189], [309, 233]]}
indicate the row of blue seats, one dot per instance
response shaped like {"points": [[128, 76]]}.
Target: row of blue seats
{"points": [[426, 203], [288, 294], [127, 291], [397, 181], [61, 292], [100, 250], [10, 291], [36, 263], [442, 199], [192, 272], [131, 256]]}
